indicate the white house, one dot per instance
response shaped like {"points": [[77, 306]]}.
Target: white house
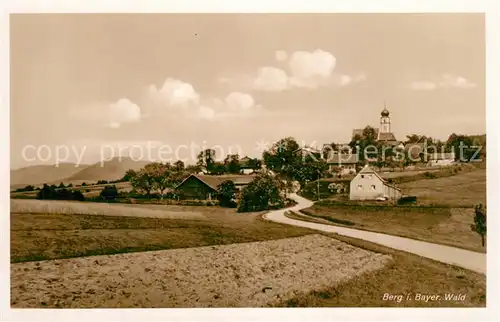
{"points": [[441, 159], [369, 185]]}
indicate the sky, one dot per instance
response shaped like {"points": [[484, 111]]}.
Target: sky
{"points": [[82, 85]]}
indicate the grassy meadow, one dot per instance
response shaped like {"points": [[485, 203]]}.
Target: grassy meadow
{"points": [[444, 213], [407, 274], [57, 234]]}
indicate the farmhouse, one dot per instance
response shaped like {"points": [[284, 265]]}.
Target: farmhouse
{"points": [[204, 187], [342, 164], [369, 185]]}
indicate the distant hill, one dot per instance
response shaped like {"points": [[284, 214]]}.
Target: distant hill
{"points": [[39, 174], [110, 170]]}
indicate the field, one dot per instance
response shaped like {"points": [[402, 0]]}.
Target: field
{"points": [[447, 226], [465, 189], [238, 275], [445, 216], [23, 206], [155, 265], [40, 236], [406, 275]]}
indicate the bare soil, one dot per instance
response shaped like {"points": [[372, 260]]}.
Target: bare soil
{"points": [[238, 275]]}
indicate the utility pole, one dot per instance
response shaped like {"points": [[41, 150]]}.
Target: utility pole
{"points": [[318, 185]]}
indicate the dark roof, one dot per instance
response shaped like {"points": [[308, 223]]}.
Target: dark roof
{"points": [[370, 170], [384, 112], [340, 159], [386, 136], [214, 181]]}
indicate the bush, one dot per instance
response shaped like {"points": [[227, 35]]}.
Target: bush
{"points": [[430, 175], [52, 193], [263, 193], [27, 188], [109, 193], [78, 195], [226, 194], [407, 200]]}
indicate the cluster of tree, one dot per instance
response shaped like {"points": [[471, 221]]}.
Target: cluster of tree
{"points": [[283, 159], [264, 192], [27, 188], [157, 177], [54, 193], [230, 165]]}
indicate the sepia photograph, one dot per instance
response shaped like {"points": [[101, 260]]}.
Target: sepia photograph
{"points": [[248, 160]]}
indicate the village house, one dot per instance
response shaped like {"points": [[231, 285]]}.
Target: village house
{"points": [[248, 165], [204, 187], [343, 164], [369, 185], [441, 159]]}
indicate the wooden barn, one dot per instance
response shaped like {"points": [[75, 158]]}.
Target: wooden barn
{"points": [[204, 187]]}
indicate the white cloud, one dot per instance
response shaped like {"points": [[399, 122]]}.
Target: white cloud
{"points": [[239, 101], [271, 79], [449, 80], [174, 92], [444, 81], [306, 69], [123, 111], [345, 80], [281, 55], [423, 86], [311, 69]]}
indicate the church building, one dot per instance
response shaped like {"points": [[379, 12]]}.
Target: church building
{"points": [[383, 133]]}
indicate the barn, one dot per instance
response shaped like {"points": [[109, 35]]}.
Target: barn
{"points": [[204, 187], [369, 185]]}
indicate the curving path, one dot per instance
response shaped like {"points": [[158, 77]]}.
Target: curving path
{"points": [[455, 256]]}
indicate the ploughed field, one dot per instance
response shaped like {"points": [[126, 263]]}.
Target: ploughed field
{"points": [[237, 275]]}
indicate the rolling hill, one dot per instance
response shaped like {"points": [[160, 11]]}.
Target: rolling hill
{"points": [[68, 173], [39, 174], [109, 170]]}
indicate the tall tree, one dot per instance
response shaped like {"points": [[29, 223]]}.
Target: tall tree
{"points": [[365, 145], [206, 158], [479, 225], [179, 165], [460, 144], [144, 181], [129, 175], [282, 156], [232, 163]]}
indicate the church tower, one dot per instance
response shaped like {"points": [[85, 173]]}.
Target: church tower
{"points": [[385, 121]]}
